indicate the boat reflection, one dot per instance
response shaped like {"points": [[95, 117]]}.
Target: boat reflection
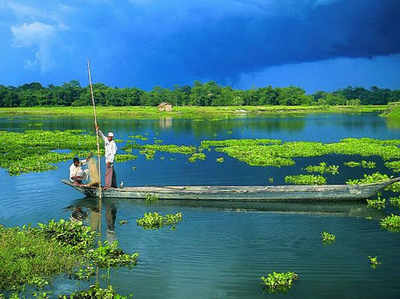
{"points": [[340, 209], [89, 211]]}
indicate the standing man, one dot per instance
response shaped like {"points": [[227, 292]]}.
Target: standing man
{"points": [[110, 151]]}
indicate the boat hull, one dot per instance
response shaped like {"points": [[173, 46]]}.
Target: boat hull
{"points": [[241, 193]]}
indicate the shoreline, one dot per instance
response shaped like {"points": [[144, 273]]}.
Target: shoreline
{"points": [[189, 112]]}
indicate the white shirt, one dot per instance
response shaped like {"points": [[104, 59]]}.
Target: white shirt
{"points": [[77, 170], [110, 148]]}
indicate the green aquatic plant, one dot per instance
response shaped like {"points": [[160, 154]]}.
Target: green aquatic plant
{"points": [[148, 153], [363, 164], [391, 223], [394, 165], [122, 222], [323, 168], [197, 156], [220, 160], [95, 291], [368, 164], [352, 164], [395, 201], [283, 154], [378, 204], [305, 179], [124, 157], [373, 261], [33, 255], [156, 220], [37, 150], [369, 179], [151, 197], [279, 282], [271, 180], [110, 255], [139, 137], [327, 237], [237, 142]]}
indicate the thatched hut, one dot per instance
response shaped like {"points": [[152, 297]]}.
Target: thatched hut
{"points": [[164, 106]]}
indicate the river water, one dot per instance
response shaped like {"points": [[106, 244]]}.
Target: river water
{"points": [[220, 250]]}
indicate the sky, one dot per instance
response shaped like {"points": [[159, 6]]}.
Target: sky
{"points": [[314, 44]]}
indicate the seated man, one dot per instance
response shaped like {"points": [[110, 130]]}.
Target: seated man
{"points": [[76, 173]]}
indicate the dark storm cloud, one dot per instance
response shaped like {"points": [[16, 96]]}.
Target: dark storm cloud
{"points": [[148, 42]]}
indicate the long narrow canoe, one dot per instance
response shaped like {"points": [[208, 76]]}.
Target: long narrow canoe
{"points": [[242, 193]]}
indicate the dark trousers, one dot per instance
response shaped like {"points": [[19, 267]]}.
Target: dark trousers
{"points": [[111, 178]]}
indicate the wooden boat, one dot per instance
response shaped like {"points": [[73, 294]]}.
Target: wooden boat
{"points": [[242, 193]]}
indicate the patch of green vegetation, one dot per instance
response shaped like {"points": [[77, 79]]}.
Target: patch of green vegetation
{"points": [[327, 237], [305, 179], [283, 154], [139, 137], [189, 112], [395, 201], [108, 255], [95, 291], [323, 168], [124, 157], [271, 180], [220, 160], [373, 261], [369, 179], [352, 164], [149, 150], [32, 256], [148, 153], [156, 220], [238, 142], [197, 156], [33, 150], [391, 223], [158, 141], [279, 282], [394, 165], [122, 222], [378, 204], [151, 197], [363, 164]]}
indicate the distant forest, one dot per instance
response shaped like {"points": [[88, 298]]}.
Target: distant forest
{"points": [[200, 94]]}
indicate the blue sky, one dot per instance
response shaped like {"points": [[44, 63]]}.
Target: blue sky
{"points": [[315, 44]]}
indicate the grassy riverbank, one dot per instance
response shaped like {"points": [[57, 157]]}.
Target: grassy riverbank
{"points": [[147, 112]]}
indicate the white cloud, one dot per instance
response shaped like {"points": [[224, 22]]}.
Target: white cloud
{"points": [[38, 36]]}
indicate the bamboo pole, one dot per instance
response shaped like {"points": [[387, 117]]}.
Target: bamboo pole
{"points": [[97, 139]]}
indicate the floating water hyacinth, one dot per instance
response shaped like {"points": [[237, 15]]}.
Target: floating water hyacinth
{"points": [[197, 156], [327, 237], [323, 168], [156, 220], [279, 282], [391, 223], [378, 204]]}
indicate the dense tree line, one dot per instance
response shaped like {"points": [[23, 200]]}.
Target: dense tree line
{"points": [[200, 94]]}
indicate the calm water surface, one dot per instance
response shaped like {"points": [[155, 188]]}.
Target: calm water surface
{"points": [[220, 250]]}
